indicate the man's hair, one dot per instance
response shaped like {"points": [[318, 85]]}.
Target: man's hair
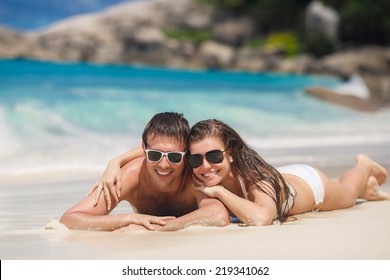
{"points": [[169, 124]]}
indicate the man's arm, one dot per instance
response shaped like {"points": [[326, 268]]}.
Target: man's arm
{"points": [[210, 212], [87, 216]]}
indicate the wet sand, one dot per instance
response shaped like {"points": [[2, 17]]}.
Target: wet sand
{"points": [[358, 233]]}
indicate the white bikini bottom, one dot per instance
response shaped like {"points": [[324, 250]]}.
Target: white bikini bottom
{"points": [[310, 176]]}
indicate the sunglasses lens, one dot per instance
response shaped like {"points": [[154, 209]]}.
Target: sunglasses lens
{"points": [[175, 157], [154, 155], [215, 156], [195, 160]]}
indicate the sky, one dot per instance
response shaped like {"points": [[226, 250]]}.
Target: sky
{"points": [[27, 15]]}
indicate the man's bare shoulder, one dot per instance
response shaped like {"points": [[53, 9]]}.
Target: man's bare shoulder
{"points": [[133, 166], [189, 183], [187, 191], [131, 172]]}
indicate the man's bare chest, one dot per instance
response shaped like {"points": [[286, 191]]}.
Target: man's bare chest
{"points": [[164, 205]]}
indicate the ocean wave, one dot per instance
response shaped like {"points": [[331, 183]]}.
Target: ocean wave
{"points": [[9, 143], [320, 141], [58, 121]]}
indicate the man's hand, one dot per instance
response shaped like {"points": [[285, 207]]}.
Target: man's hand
{"points": [[148, 221]]}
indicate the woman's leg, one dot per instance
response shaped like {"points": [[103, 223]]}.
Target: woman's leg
{"points": [[373, 192], [361, 181]]}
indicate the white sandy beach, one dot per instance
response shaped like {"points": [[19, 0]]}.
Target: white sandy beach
{"points": [[358, 233]]}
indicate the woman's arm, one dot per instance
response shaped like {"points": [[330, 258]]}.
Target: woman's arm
{"points": [[111, 180], [210, 212], [260, 209]]}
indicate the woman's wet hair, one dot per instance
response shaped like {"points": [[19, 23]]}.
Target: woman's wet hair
{"points": [[247, 163]]}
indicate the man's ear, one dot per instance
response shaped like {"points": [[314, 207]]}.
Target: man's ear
{"points": [[143, 145]]}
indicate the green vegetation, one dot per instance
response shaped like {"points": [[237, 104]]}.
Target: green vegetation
{"points": [[317, 44], [193, 35], [364, 21], [285, 41], [227, 4], [361, 21], [256, 43]]}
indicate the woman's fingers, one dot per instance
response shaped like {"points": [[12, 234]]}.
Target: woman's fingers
{"points": [[107, 197], [97, 193]]}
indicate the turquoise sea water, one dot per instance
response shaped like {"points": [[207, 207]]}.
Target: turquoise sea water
{"points": [[61, 116]]}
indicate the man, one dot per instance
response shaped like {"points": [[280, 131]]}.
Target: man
{"points": [[157, 184]]}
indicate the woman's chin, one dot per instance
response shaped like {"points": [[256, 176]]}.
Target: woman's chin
{"points": [[212, 183]]}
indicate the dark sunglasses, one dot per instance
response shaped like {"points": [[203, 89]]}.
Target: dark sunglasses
{"points": [[214, 156], [156, 156]]}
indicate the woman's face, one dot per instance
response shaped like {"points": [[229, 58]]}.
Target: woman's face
{"points": [[211, 174]]}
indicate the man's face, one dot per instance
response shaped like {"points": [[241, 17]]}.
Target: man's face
{"points": [[165, 174]]}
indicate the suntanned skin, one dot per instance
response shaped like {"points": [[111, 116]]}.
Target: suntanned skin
{"points": [[148, 200], [363, 180], [152, 188]]}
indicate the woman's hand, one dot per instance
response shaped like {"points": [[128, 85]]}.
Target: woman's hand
{"points": [[209, 191], [109, 183]]}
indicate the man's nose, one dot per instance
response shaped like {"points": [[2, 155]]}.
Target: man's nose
{"points": [[164, 163]]}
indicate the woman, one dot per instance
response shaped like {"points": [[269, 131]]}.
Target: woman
{"points": [[225, 167], [257, 193]]}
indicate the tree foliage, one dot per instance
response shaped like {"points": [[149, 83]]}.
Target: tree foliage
{"points": [[361, 21]]}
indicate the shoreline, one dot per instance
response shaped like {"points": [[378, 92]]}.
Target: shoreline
{"points": [[49, 177], [75, 176], [28, 208], [333, 235]]}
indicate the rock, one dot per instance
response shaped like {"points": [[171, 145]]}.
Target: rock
{"points": [[353, 61], [13, 44], [234, 31], [299, 64], [379, 86], [355, 86], [135, 32], [322, 19], [248, 59], [349, 101], [149, 36], [372, 63], [216, 55]]}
